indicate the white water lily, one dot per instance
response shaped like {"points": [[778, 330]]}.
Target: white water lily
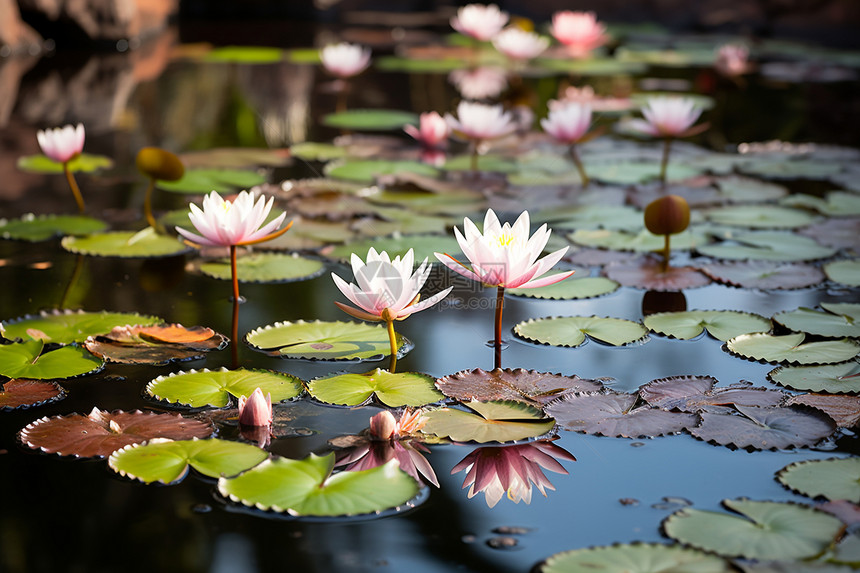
{"points": [[479, 21], [568, 123], [345, 60], [519, 44], [479, 121], [231, 223], [62, 143], [667, 116]]}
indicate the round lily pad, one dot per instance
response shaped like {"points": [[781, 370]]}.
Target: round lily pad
{"points": [[845, 272], [721, 324], [127, 244], [245, 55], [642, 242], [764, 428], [836, 478], [167, 461], [834, 204], [839, 320], [831, 378], [365, 170], [85, 162], [392, 389], [697, 393], [215, 387], [569, 289], [370, 119], [528, 386], [760, 217], [207, 180], [791, 349], [320, 340], [650, 274], [763, 530], [497, 421], [33, 228], [23, 393], [423, 246], [764, 275], [634, 558], [739, 189], [768, 246], [266, 268], [159, 344], [64, 327], [571, 331], [27, 360]]}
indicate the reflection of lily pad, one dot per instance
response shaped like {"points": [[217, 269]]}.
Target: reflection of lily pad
{"points": [[528, 386], [571, 330], [168, 461], [791, 349], [70, 326], [832, 378], [503, 421], [392, 389], [32, 228], [768, 246], [845, 272], [266, 268], [320, 340], [308, 488], [721, 324], [142, 244], [634, 558], [27, 360], [215, 387], [23, 393], [833, 479], [370, 119], [839, 320], [764, 274], [206, 180], [85, 162], [764, 428]]}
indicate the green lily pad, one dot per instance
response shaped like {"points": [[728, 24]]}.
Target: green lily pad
{"points": [[127, 244], [635, 558], [642, 242], [791, 349], [370, 119], [764, 530], [215, 387], [615, 217], [33, 228], [779, 168], [168, 461], [308, 488], [423, 246], [591, 66], [571, 331], [832, 378], [760, 217], [207, 180], [85, 162], [631, 172], [839, 320], [320, 340], [834, 204], [304, 55], [70, 326], [266, 268], [721, 324], [423, 66], [499, 421], [496, 163], [365, 170], [738, 189], [569, 289], [392, 389], [313, 151], [768, 246], [845, 272], [27, 360], [245, 55], [836, 478]]}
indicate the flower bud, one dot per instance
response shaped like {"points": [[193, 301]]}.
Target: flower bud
{"points": [[667, 215], [159, 164], [383, 425], [255, 410]]}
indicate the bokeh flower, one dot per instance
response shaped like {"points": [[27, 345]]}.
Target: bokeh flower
{"points": [[519, 44], [62, 144], [479, 122], [580, 32], [479, 21], [256, 409], [482, 82], [732, 60], [432, 131], [345, 60], [569, 124]]}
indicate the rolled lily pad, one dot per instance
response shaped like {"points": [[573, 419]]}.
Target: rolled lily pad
{"points": [[518, 384], [765, 275], [840, 320], [392, 389], [23, 393], [127, 244], [842, 409], [833, 378], [617, 415], [370, 119], [791, 349], [159, 344], [28, 360], [365, 170], [168, 461], [833, 479], [845, 272], [43, 227], [245, 55], [767, 428], [320, 340], [64, 327], [696, 393], [215, 387], [768, 246], [721, 324], [634, 558], [760, 217], [569, 289], [100, 433], [308, 488], [266, 268], [498, 421], [207, 180], [643, 242], [571, 331], [764, 530], [85, 162], [423, 246]]}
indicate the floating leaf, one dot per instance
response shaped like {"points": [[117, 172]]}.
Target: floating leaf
{"points": [[266, 268], [643, 242], [245, 55], [768, 246], [834, 378], [423, 246], [634, 558], [365, 170], [836, 478], [215, 387], [392, 389], [844, 410], [739, 189], [696, 393], [313, 151], [370, 119], [836, 233], [308, 488], [839, 320], [790, 348], [618, 217], [147, 345], [23, 393], [64, 327], [791, 169], [771, 428], [100, 433], [500, 421], [845, 272], [591, 66], [206, 180], [27, 360], [33, 228], [85, 162], [760, 217], [632, 172], [128, 244], [235, 157], [167, 461], [571, 330], [834, 204], [528, 386], [764, 275], [721, 324], [650, 274], [569, 289], [320, 340]]}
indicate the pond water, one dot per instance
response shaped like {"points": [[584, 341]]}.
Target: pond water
{"points": [[61, 514]]}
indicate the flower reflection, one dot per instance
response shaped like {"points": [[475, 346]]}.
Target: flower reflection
{"points": [[512, 470]]}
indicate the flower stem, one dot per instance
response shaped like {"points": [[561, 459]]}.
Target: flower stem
{"points": [[234, 273], [235, 347], [79, 199], [579, 166], [664, 163], [474, 164], [76, 272], [666, 253], [147, 204], [500, 307], [392, 339]]}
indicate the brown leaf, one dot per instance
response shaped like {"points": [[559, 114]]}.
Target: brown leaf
{"points": [[845, 410], [765, 428], [694, 393], [23, 393], [845, 510], [176, 333], [764, 275], [134, 345], [527, 386]]}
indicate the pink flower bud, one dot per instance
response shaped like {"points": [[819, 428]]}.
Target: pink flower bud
{"points": [[255, 410], [383, 425]]}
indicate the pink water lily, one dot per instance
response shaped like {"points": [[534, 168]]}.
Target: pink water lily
{"points": [[481, 82], [667, 116], [256, 409], [479, 21], [62, 144], [345, 60], [432, 131], [519, 44], [480, 122], [579, 31], [569, 124]]}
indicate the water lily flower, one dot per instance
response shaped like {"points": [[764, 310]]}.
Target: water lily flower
{"points": [[256, 409], [579, 31], [482, 82], [432, 131], [345, 60], [732, 60], [384, 426], [519, 44], [569, 124], [62, 144], [480, 122], [512, 470], [479, 21]]}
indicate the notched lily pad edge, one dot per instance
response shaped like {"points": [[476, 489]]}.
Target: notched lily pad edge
{"points": [[588, 338], [373, 399]]}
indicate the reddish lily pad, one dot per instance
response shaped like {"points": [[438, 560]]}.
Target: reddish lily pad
{"points": [[518, 384], [155, 344], [836, 233], [764, 275], [765, 428], [23, 393], [649, 274], [845, 410], [696, 393], [100, 433]]}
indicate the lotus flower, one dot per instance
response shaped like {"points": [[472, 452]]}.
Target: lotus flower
{"points": [[569, 124], [345, 60], [732, 60], [579, 31], [481, 82], [62, 144], [519, 44], [255, 410], [479, 122], [512, 470], [432, 131], [479, 21]]}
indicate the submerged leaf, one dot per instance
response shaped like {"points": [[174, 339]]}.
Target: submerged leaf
{"points": [[215, 387], [721, 324], [320, 340], [392, 389], [23, 393], [792, 349], [834, 479], [528, 386], [634, 558], [769, 428], [571, 330]]}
